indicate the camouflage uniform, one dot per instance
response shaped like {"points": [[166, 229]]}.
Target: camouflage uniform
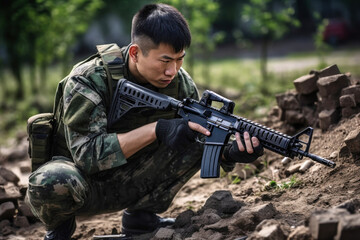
{"points": [[97, 178]]}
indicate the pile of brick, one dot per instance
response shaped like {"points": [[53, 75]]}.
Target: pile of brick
{"points": [[14, 214], [321, 99]]}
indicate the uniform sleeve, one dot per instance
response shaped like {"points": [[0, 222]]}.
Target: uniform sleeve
{"points": [[85, 121]]}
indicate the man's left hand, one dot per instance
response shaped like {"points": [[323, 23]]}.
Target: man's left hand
{"points": [[245, 152]]}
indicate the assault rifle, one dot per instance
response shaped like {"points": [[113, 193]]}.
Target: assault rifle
{"points": [[220, 122]]}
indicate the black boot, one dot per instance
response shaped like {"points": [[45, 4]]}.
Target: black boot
{"points": [[62, 232], [141, 222]]}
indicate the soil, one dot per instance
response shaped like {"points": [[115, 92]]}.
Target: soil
{"points": [[319, 187]]}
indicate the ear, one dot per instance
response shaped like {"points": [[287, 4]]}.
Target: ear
{"points": [[133, 52]]}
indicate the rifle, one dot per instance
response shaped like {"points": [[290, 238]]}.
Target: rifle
{"points": [[220, 122]]}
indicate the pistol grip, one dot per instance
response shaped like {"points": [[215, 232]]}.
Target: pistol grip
{"points": [[210, 163]]}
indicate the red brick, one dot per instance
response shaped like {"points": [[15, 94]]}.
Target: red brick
{"points": [[294, 117], [329, 71], [347, 100], [347, 112], [332, 85], [328, 117], [306, 84], [348, 228], [288, 101], [329, 103], [355, 89]]}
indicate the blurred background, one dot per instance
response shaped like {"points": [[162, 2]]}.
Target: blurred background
{"points": [[246, 50]]}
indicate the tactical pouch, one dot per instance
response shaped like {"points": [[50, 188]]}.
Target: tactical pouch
{"points": [[40, 132]]}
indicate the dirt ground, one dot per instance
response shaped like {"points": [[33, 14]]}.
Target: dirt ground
{"points": [[319, 187]]}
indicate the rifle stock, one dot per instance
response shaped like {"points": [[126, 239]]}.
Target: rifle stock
{"points": [[221, 123]]}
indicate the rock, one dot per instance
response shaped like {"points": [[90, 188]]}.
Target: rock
{"points": [[300, 233], [294, 117], [351, 205], [9, 175], [288, 101], [262, 212], [21, 221], [323, 224], [307, 99], [344, 152], [305, 166], [328, 71], [207, 234], [347, 100], [292, 169], [348, 112], [352, 141], [24, 210], [268, 230], [9, 193], [329, 102], [207, 218], [244, 219], [332, 85], [223, 202], [327, 118], [286, 161], [7, 210], [306, 84], [348, 228], [184, 219], [164, 234], [352, 90]]}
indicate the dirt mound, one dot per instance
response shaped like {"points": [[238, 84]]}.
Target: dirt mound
{"points": [[278, 202]]}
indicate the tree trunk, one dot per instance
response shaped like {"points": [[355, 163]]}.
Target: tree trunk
{"points": [[263, 66], [15, 66]]}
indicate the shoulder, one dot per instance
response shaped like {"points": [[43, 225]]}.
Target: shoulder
{"points": [[187, 86], [89, 79]]}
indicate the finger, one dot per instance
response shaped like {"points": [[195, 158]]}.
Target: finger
{"points": [[248, 144], [255, 142], [199, 128], [239, 142]]}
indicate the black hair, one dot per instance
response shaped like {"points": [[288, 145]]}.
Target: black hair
{"points": [[160, 23]]}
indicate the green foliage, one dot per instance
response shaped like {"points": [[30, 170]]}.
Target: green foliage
{"points": [[37, 32], [322, 48], [270, 19], [236, 180], [293, 183]]}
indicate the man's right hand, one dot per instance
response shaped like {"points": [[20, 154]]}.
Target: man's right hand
{"points": [[178, 133]]}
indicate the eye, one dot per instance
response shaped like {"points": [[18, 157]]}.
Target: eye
{"points": [[165, 61]]}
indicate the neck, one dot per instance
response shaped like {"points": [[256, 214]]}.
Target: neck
{"points": [[135, 72]]}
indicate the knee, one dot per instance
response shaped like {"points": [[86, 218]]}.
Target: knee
{"points": [[56, 179]]}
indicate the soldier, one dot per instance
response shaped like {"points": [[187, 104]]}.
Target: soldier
{"points": [[140, 163]]}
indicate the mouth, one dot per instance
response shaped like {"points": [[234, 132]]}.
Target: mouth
{"points": [[167, 82]]}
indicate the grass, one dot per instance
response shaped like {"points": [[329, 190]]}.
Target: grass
{"points": [[292, 183]]}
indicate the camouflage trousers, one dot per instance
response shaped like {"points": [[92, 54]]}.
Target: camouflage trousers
{"points": [[59, 190]]}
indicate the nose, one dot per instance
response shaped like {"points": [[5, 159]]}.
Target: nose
{"points": [[171, 69]]}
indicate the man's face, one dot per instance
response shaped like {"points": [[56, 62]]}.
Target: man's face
{"points": [[160, 65]]}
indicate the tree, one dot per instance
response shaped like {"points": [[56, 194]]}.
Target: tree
{"points": [[269, 20], [36, 32]]}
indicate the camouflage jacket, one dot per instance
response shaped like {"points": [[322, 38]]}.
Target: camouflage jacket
{"points": [[85, 103]]}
